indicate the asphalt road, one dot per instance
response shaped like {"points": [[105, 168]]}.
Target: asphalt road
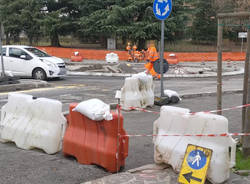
{"points": [[27, 167], [79, 88]]}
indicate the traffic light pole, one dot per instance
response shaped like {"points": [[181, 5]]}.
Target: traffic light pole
{"points": [[162, 56]]}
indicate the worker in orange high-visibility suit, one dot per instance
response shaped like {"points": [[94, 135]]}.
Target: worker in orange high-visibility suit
{"points": [[152, 57], [129, 49]]}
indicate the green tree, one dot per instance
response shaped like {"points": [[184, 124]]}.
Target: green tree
{"points": [[31, 19], [10, 11], [204, 28], [58, 18], [93, 14], [130, 19]]}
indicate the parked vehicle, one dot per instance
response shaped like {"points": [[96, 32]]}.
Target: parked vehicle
{"points": [[26, 61]]}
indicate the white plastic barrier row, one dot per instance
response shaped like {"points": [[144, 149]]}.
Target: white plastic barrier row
{"points": [[138, 91], [33, 123], [112, 58], [171, 150]]}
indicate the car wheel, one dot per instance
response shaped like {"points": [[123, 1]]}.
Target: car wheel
{"points": [[39, 74]]}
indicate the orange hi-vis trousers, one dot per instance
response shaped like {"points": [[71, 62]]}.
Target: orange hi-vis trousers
{"points": [[150, 68], [152, 57]]}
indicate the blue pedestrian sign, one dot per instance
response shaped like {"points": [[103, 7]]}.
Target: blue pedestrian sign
{"points": [[195, 165], [162, 9], [197, 159]]}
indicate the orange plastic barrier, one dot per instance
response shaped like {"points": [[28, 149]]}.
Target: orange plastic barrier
{"points": [[76, 58], [92, 54], [172, 59], [94, 142]]}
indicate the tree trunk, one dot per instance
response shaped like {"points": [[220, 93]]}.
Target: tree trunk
{"points": [[7, 39], [103, 40], [141, 44], [54, 40], [16, 38], [124, 41], [30, 40], [36, 40]]}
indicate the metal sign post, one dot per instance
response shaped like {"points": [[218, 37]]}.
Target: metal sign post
{"points": [[242, 35], [162, 56], [1, 50], [162, 10], [242, 42]]}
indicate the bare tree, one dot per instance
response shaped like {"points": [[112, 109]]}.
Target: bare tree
{"points": [[231, 5]]}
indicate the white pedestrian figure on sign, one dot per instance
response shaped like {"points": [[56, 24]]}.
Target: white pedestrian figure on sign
{"points": [[197, 159]]}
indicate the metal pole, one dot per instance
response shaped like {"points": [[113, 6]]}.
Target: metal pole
{"points": [[162, 56], [219, 66], [118, 136], [246, 139], [242, 39], [245, 90], [1, 50]]}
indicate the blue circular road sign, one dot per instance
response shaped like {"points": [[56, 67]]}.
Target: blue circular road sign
{"points": [[196, 159], [162, 9]]}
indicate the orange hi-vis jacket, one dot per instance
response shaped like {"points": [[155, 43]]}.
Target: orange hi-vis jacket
{"points": [[152, 54], [128, 48], [152, 57]]}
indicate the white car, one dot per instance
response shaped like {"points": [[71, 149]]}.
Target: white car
{"points": [[26, 61]]}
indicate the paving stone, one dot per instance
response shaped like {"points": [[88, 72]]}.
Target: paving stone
{"points": [[155, 174]]}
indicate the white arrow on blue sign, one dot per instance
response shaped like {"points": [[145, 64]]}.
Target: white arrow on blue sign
{"points": [[162, 9]]}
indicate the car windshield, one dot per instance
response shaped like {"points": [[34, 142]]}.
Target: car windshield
{"points": [[37, 52]]}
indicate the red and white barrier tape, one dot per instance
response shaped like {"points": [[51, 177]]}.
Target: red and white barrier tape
{"points": [[142, 110], [192, 113], [189, 135], [226, 109]]}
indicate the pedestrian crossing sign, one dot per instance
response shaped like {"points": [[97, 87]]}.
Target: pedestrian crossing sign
{"points": [[195, 165]]}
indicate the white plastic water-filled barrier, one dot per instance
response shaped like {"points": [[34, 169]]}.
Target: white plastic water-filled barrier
{"points": [[32, 123], [171, 150], [138, 91], [112, 58]]}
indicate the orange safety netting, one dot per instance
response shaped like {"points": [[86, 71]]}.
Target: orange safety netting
{"points": [[92, 54]]}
